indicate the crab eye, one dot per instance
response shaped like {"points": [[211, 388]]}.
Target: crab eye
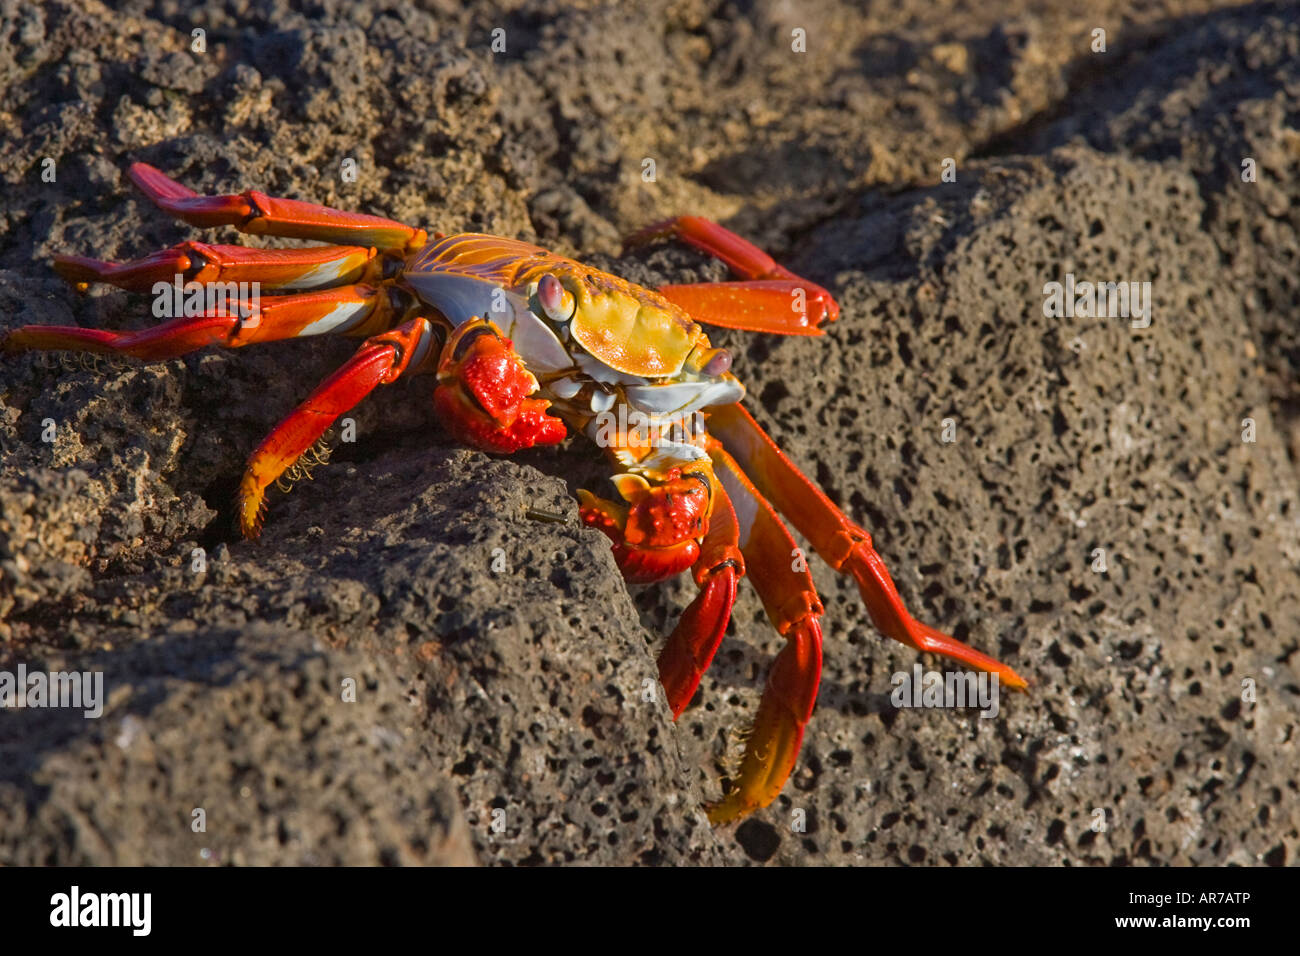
{"points": [[718, 364], [557, 302]]}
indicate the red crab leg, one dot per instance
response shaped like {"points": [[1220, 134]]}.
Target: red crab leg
{"points": [[348, 309], [308, 268], [261, 215], [693, 643], [772, 299], [841, 544], [793, 607], [379, 361]]}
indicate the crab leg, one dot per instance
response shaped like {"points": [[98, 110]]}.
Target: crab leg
{"points": [[310, 268], [354, 309], [380, 360], [693, 643], [770, 298], [843, 545], [779, 306], [794, 609], [261, 215], [683, 520]]}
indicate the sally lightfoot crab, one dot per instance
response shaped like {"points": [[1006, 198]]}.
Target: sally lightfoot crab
{"points": [[525, 345]]}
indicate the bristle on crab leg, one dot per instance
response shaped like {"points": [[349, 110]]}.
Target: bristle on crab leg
{"points": [[380, 360], [841, 544], [791, 602]]}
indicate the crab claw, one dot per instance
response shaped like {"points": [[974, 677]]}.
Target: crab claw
{"points": [[483, 389], [892, 619], [656, 534]]}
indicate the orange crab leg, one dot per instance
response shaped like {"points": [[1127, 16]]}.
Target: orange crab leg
{"points": [[772, 299], [693, 643], [380, 360], [348, 309], [289, 269], [780, 306], [795, 610], [843, 545], [261, 215]]}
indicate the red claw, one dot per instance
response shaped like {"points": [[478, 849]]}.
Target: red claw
{"points": [[656, 535], [482, 394], [639, 563]]}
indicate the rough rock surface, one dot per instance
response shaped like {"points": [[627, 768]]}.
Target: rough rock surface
{"points": [[408, 668]]}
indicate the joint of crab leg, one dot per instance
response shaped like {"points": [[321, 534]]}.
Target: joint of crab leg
{"points": [[792, 605], [200, 262], [186, 204], [165, 341], [842, 544], [761, 301], [773, 743], [741, 255], [347, 308], [690, 648]]}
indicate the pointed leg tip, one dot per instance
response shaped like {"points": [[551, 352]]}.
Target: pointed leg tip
{"points": [[727, 810], [251, 505], [142, 173], [1013, 680]]}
